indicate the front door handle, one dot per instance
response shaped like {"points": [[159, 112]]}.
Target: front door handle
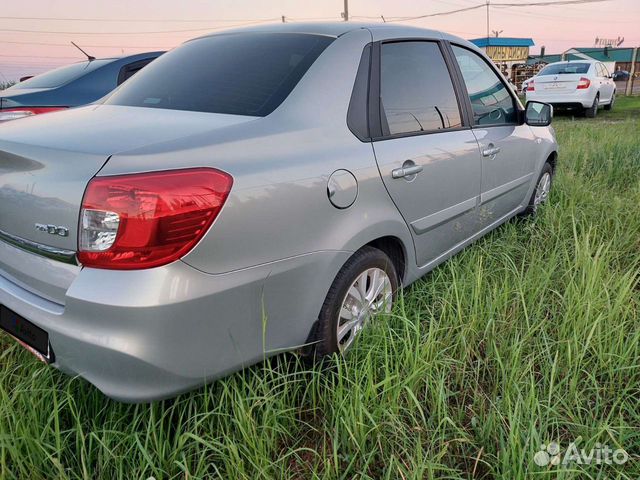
{"points": [[491, 151], [406, 171]]}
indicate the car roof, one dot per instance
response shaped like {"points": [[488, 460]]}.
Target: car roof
{"points": [[126, 58], [337, 29], [141, 55], [133, 57]]}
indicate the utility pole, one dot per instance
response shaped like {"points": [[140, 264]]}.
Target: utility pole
{"points": [[634, 58], [487, 18], [345, 14]]}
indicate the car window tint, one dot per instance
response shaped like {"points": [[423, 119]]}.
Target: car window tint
{"points": [[131, 69], [490, 98], [240, 74], [568, 68], [598, 70], [416, 89], [602, 70], [62, 75]]}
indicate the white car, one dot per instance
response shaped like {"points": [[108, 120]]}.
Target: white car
{"points": [[580, 84]]}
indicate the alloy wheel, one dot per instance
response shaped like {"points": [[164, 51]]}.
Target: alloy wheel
{"points": [[542, 189], [370, 293]]}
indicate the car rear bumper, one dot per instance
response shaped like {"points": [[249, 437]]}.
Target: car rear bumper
{"points": [[151, 334], [575, 99]]}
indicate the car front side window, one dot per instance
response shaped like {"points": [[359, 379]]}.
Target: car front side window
{"points": [[491, 101]]}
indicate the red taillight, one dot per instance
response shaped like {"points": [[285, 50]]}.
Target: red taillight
{"points": [[149, 219], [35, 110], [530, 86], [583, 83]]}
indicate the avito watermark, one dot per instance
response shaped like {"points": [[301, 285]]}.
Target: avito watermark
{"points": [[601, 454]]}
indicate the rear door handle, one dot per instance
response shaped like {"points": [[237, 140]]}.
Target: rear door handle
{"points": [[490, 152], [406, 171]]}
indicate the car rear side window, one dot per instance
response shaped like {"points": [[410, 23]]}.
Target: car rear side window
{"points": [[598, 70], [239, 74], [601, 70], [416, 91], [131, 69], [490, 98]]}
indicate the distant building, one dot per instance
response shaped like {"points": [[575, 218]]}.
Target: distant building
{"points": [[511, 55], [505, 51], [544, 59], [613, 58]]}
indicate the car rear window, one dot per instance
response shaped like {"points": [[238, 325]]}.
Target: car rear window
{"points": [[240, 74], [565, 68], [62, 75]]}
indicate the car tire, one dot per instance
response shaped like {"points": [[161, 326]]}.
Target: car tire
{"points": [[592, 111], [610, 105], [541, 192], [344, 309]]}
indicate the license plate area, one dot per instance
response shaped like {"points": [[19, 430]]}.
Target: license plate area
{"points": [[35, 339]]}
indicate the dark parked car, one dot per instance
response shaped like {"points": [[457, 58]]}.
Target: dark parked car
{"points": [[70, 86], [621, 75]]}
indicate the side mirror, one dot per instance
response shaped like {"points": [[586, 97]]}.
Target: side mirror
{"points": [[538, 114]]}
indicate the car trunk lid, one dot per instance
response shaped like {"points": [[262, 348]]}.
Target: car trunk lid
{"points": [[47, 161], [40, 194], [558, 83]]}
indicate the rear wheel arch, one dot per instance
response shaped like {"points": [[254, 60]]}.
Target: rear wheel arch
{"points": [[388, 233], [612, 100], [325, 337], [553, 160], [592, 111], [395, 249]]}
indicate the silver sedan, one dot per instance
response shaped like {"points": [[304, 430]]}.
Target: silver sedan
{"points": [[252, 192]]}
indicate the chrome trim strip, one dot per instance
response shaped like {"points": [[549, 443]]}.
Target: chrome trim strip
{"points": [[425, 224], [59, 254], [506, 188]]}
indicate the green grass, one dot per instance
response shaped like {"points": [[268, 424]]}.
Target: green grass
{"points": [[530, 335]]}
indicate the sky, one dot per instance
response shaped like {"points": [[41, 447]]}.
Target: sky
{"points": [[35, 35]]}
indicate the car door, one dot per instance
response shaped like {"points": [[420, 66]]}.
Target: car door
{"points": [[607, 84], [599, 82], [508, 159], [427, 156]]}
